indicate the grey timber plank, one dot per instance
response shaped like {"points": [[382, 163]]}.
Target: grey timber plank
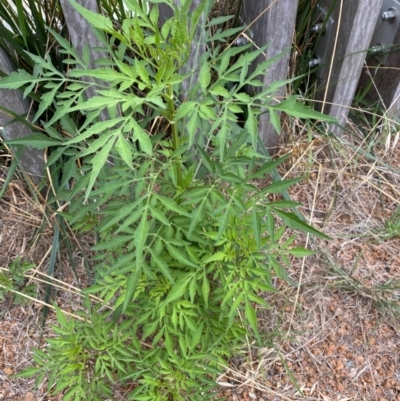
{"points": [[32, 160], [81, 34], [354, 26], [198, 45], [384, 73], [273, 22]]}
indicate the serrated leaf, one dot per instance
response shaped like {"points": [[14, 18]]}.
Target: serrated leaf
{"points": [[207, 112], [179, 289], [270, 224], [45, 101], [114, 242], [142, 72], [192, 128], [219, 20], [210, 166], [105, 74], [184, 109], [300, 252], [296, 109], [17, 79], [205, 289], [292, 221], [159, 215], [95, 19], [275, 120], [157, 100], [220, 91], [28, 372], [96, 102], [98, 161], [46, 65], [180, 256], [236, 303], [279, 186], [252, 127], [216, 257], [163, 266], [204, 77], [37, 141], [195, 218], [234, 108], [140, 239], [61, 319], [223, 222], [284, 204], [124, 150], [172, 205], [97, 144], [256, 224], [251, 317], [142, 137], [242, 97], [131, 284], [268, 167], [95, 129], [197, 335]]}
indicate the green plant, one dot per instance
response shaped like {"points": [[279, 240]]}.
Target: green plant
{"points": [[187, 241], [14, 284]]}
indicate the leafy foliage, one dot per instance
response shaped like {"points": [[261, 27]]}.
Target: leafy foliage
{"points": [[187, 241], [13, 283]]}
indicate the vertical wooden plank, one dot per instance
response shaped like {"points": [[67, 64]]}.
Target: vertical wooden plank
{"points": [[32, 160], [385, 76], [354, 23], [273, 22], [81, 34], [198, 45]]}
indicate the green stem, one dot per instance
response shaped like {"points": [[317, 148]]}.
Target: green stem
{"points": [[175, 133]]}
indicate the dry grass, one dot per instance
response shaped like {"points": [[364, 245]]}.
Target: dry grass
{"points": [[339, 331]]}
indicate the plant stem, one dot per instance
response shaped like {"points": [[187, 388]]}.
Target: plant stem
{"points": [[175, 133]]}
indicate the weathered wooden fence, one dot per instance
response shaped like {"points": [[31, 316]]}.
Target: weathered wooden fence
{"points": [[356, 42]]}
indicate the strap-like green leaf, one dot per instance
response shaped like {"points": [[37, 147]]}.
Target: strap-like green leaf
{"points": [[292, 221]]}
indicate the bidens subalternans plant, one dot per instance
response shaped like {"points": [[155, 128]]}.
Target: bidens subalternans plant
{"points": [[188, 244]]}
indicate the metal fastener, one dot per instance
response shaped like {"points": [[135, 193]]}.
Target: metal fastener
{"points": [[314, 62], [389, 15], [316, 28], [377, 49], [240, 41]]}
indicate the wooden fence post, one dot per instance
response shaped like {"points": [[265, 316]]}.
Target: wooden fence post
{"points": [[383, 68], [81, 34], [32, 160], [354, 23], [273, 22], [198, 44]]}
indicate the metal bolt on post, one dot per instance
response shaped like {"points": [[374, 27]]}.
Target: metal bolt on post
{"points": [[314, 62], [316, 28], [377, 49], [240, 41], [389, 15]]}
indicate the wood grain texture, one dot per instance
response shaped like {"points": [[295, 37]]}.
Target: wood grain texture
{"points": [[198, 45], [273, 22], [386, 78], [354, 26], [32, 160], [81, 34]]}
